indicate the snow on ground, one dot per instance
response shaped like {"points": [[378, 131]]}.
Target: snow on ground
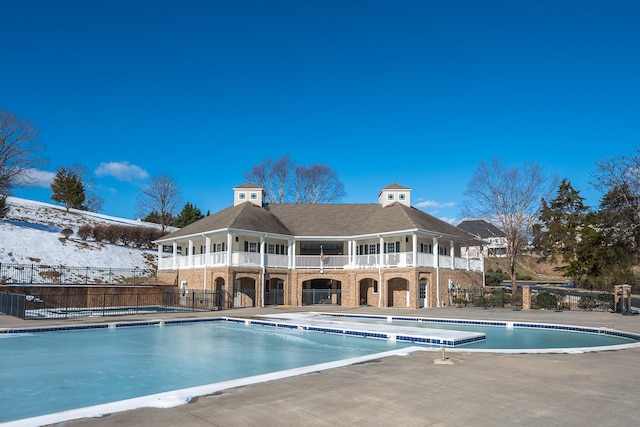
{"points": [[30, 234]]}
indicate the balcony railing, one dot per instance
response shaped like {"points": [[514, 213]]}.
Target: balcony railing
{"points": [[329, 262]]}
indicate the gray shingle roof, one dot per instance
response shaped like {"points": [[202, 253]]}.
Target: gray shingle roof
{"points": [[481, 228], [330, 220]]}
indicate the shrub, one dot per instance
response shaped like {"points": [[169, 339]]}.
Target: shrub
{"points": [[98, 233], [493, 279], [67, 232], [85, 231]]}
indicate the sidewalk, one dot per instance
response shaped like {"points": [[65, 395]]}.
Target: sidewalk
{"points": [[478, 389]]}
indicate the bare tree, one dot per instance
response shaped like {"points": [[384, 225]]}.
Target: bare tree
{"points": [[162, 197], [18, 151], [621, 176], [512, 197], [317, 184], [285, 182], [274, 177]]}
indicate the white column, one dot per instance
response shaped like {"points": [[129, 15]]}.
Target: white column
{"points": [[262, 251], [190, 253], [292, 254], [436, 261], [414, 242], [468, 259], [229, 248], [207, 250], [175, 254], [159, 256], [350, 253], [452, 254], [381, 254]]}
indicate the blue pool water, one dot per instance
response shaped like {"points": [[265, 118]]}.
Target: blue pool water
{"points": [[55, 371], [47, 372], [512, 338]]}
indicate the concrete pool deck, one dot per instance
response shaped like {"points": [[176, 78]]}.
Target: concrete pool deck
{"points": [[479, 389]]}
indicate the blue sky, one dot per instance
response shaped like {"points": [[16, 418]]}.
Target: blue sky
{"points": [[412, 92]]}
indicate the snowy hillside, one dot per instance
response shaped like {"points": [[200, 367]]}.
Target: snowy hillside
{"points": [[31, 234]]}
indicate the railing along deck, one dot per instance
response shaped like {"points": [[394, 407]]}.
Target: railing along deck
{"points": [[335, 262]]}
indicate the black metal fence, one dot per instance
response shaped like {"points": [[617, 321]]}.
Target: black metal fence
{"points": [[39, 274], [321, 296], [544, 298], [560, 299], [65, 305]]}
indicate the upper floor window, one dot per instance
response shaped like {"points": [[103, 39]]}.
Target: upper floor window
{"points": [[251, 246], [242, 196], [392, 247], [426, 248], [254, 196], [390, 197], [401, 196], [218, 247]]}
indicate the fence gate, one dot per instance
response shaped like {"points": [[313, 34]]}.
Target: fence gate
{"points": [[13, 304]]}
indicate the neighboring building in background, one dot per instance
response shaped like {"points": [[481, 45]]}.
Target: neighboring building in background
{"points": [[384, 254], [495, 241]]}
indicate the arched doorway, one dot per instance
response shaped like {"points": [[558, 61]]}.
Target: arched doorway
{"points": [[244, 293], [368, 292], [322, 291], [220, 294], [398, 292], [274, 292]]}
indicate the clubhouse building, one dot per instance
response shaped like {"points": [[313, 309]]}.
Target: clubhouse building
{"points": [[384, 254]]}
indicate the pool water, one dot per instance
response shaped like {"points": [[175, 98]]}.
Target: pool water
{"points": [[54, 371], [500, 337], [48, 372]]}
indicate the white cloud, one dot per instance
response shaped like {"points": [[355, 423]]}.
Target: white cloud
{"points": [[122, 171], [37, 178], [434, 204]]}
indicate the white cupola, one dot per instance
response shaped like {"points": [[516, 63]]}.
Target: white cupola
{"points": [[248, 192], [395, 193]]}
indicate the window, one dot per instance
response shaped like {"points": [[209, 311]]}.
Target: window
{"points": [[389, 196], [242, 196], [375, 286], [426, 248], [202, 249], [401, 196], [251, 246], [254, 196], [392, 247], [442, 250], [218, 247]]}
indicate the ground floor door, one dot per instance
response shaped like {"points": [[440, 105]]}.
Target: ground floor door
{"points": [[422, 294]]}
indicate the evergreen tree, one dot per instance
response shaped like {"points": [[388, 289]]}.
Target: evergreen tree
{"points": [[67, 188], [188, 215], [562, 229]]}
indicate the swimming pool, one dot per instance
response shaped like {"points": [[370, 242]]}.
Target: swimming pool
{"points": [[74, 368], [56, 371]]}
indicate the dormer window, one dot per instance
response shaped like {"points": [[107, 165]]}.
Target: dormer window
{"points": [[254, 196], [242, 196], [401, 196], [390, 197]]}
